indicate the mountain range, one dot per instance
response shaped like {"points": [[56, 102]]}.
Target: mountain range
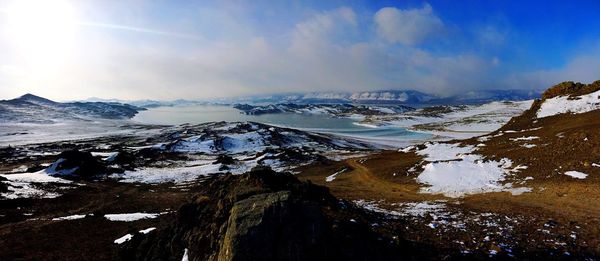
{"points": [[31, 108], [407, 97]]}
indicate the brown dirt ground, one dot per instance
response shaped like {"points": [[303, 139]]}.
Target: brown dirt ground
{"points": [[37, 237], [567, 142]]}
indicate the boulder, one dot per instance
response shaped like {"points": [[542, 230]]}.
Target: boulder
{"points": [[3, 185], [76, 164], [263, 215]]}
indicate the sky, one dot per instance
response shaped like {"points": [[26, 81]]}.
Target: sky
{"points": [[171, 49]]}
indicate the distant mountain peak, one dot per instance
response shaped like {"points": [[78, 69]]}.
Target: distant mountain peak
{"points": [[35, 99]]}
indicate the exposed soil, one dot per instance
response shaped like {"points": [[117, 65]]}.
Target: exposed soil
{"points": [[563, 143], [27, 231]]}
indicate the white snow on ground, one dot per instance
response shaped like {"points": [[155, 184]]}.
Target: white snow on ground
{"points": [[462, 123], [63, 172], [147, 230], [530, 138], [38, 177], [519, 191], [407, 149], [123, 239], [71, 217], [185, 255], [19, 169], [106, 156], [195, 144], [566, 104], [131, 216], [456, 171], [191, 172], [128, 237], [244, 142], [470, 175], [332, 177], [576, 174], [422, 209], [528, 146], [443, 151], [374, 206], [23, 185], [160, 175]]}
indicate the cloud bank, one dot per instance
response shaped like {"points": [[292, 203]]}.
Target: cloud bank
{"points": [[220, 50]]}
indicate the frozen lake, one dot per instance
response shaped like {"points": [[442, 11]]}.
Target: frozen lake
{"points": [[312, 122]]}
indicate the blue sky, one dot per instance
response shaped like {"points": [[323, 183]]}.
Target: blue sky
{"points": [[161, 49]]}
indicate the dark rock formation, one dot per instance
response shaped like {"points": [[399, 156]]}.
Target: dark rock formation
{"points": [[224, 159], [570, 88], [3, 185], [263, 215], [76, 164]]}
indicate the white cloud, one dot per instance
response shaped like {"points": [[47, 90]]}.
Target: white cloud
{"points": [[583, 67], [324, 26], [335, 50], [409, 27]]}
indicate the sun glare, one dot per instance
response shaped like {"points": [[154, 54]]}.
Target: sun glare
{"points": [[43, 30]]}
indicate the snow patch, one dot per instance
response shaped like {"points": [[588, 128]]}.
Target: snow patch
{"points": [[147, 230], [185, 255], [63, 172], [128, 237], [530, 138], [123, 239], [471, 175], [164, 175], [331, 177], [455, 171], [576, 174], [25, 185], [443, 151], [71, 217], [566, 104], [128, 217]]}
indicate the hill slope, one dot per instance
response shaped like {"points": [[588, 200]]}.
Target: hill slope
{"points": [[35, 109], [530, 189]]}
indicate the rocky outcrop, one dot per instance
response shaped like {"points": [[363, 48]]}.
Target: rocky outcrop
{"points": [[76, 164], [3, 185], [571, 89], [263, 215]]}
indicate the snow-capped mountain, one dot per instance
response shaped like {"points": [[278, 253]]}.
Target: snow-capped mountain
{"points": [[409, 97], [388, 97], [31, 108], [331, 109]]}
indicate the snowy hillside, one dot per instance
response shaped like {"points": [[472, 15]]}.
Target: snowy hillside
{"points": [[33, 109], [569, 104], [338, 110]]}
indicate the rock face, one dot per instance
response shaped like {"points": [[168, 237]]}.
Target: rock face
{"points": [[271, 217], [570, 88], [3, 185], [263, 215], [76, 164]]}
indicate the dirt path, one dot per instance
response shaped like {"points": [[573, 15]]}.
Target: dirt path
{"points": [[376, 177]]}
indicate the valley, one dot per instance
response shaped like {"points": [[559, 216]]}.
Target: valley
{"points": [[526, 190]]}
